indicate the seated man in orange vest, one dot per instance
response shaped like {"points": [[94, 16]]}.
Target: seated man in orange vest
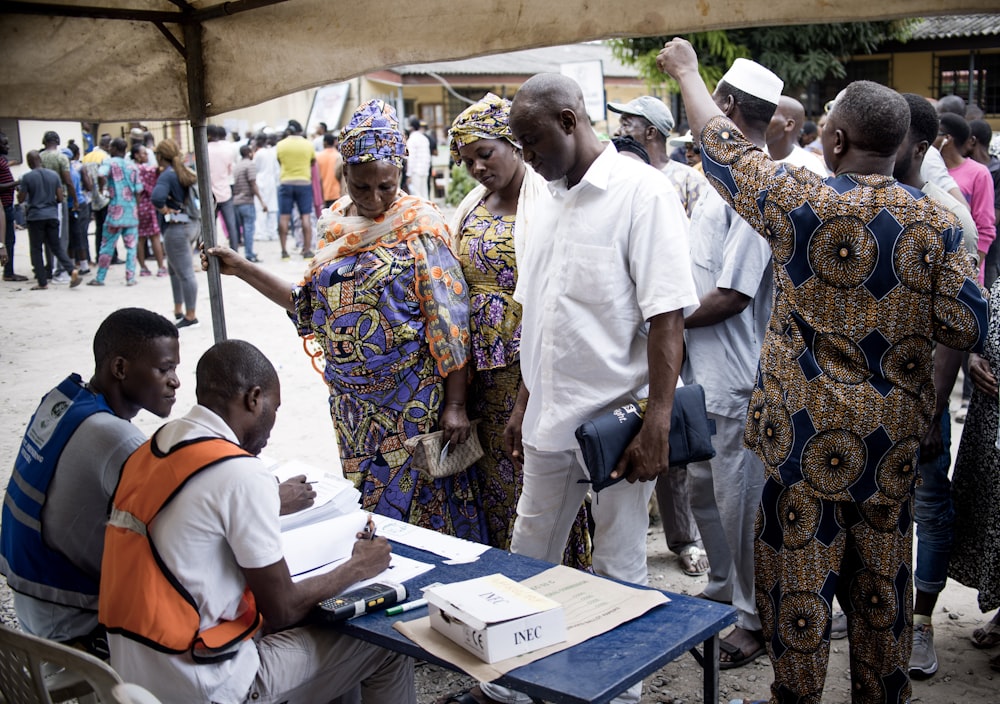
{"points": [[183, 596]]}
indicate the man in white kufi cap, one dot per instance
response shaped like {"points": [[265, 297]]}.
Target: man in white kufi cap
{"points": [[731, 265]]}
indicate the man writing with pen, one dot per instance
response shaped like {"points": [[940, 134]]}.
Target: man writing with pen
{"points": [[195, 592]]}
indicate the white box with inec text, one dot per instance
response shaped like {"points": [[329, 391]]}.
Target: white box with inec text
{"points": [[494, 617]]}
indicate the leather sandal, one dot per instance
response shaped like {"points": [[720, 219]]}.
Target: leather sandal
{"points": [[694, 561]]}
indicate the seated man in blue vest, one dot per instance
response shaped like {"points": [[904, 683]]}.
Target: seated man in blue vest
{"points": [[193, 563], [70, 459]]}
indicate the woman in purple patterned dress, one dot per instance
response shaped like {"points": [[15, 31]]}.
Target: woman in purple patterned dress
{"points": [[386, 301]]}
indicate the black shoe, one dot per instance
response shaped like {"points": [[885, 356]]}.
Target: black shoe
{"points": [[15, 277], [185, 323]]}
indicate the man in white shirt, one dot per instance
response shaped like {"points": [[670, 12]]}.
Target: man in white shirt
{"points": [[217, 538], [783, 133], [604, 279], [268, 176], [418, 160]]}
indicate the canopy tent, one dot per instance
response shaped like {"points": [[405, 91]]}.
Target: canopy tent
{"points": [[121, 60]]}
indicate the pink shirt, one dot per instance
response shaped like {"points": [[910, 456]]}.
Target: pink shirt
{"points": [[976, 184], [221, 160]]}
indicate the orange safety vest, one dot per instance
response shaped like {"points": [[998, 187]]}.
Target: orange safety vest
{"points": [[139, 597]]}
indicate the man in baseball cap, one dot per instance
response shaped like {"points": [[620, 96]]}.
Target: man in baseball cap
{"points": [[652, 109], [649, 121]]}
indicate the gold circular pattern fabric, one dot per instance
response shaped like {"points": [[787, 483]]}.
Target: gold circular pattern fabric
{"points": [[841, 359], [833, 460], [799, 515], [802, 618], [843, 252], [912, 257], [898, 468]]}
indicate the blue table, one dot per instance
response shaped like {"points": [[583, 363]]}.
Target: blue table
{"points": [[592, 672]]}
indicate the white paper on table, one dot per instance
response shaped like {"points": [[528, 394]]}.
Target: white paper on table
{"points": [[400, 570], [335, 494], [316, 544], [455, 550], [326, 484]]}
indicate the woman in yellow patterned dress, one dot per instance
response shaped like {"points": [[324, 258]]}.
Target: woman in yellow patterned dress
{"points": [[485, 234]]}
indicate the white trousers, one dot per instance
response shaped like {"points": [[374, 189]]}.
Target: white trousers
{"points": [[725, 494], [314, 664], [548, 506]]}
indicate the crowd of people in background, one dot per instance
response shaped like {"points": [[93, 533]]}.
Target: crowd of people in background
{"points": [[823, 282]]}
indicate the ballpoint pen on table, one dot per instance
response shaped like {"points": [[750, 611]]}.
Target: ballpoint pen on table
{"points": [[408, 606]]}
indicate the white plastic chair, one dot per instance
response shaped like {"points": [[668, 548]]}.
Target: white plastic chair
{"points": [[133, 694], [24, 677]]}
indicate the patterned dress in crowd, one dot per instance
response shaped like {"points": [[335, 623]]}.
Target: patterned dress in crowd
{"points": [[149, 224], [975, 558], [487, 256], [378, 313]]}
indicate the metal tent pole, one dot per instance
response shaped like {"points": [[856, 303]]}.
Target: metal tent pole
{"points": [[198, 111]]}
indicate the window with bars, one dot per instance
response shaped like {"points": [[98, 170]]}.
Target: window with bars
{"points": [[975, 77]]}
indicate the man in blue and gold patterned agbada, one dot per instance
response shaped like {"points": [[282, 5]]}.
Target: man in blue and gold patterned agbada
{"points": [[867, 274]]}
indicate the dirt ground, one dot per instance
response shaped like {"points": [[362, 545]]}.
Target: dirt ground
{"points": [[44, 335]]}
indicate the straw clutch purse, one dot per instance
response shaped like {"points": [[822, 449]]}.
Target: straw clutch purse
{"points": [[428, 458]]}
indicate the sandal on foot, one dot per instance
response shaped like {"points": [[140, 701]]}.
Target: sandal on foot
{"points": [[986, 637], [38, 287], [467, 697], [694, 561], [738, 657]]}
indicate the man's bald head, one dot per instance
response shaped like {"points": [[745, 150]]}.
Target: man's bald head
{"points": [[785, 127], [550, 93], [549, 118], [792, 109], [229, 369]]}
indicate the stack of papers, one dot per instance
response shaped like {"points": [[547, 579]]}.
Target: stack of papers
{"points": [[335, 495], [455, 550], [316, 548]]}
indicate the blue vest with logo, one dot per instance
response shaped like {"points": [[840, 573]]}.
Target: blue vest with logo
{"points": [[31, 566]]}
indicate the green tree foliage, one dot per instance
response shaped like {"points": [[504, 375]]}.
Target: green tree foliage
{"points": [[799, 54], [459, 185]]}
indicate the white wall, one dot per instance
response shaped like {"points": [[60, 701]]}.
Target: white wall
{"points": [[31, 132]]}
